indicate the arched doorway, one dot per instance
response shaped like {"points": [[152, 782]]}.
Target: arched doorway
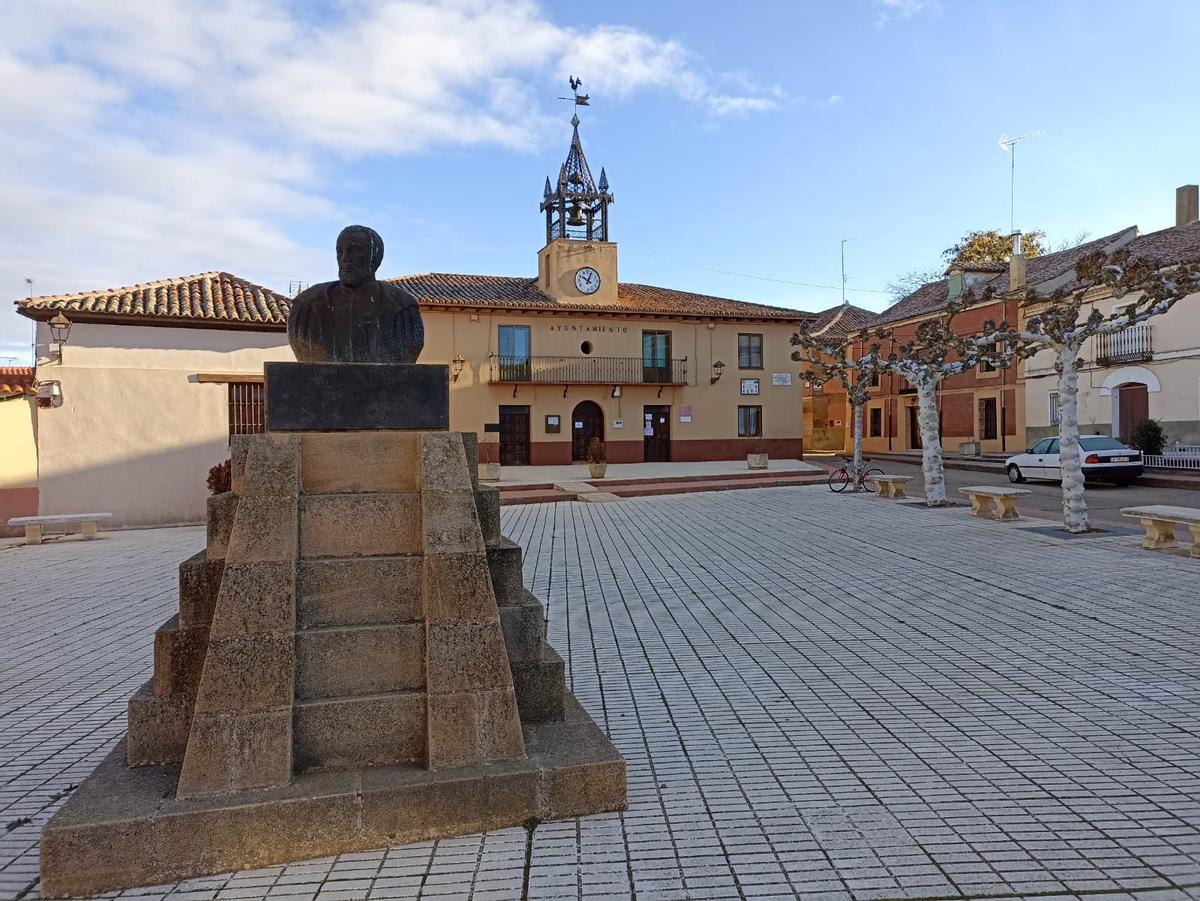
{"points": [[1133, 405], [587, 422]]}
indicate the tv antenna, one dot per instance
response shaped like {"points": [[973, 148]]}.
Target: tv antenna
{"points": [[845, 278], [1009, 146]]}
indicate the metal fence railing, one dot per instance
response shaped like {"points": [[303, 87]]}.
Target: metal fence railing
{"points": [[1133, 344], [1171, 461]]}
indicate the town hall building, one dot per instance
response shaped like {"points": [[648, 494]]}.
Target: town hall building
{"points": [[152, 380]]}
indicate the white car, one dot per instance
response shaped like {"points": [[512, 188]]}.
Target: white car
{"points": [[1104, 460]]}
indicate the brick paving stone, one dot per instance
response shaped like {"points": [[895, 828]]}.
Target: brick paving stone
{"points": [[816, 695]]}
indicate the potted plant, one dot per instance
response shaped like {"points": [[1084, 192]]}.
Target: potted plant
{"points": [[597, 458], [756, 454]]}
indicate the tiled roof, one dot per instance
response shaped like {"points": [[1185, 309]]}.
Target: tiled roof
{"points": [[933, 296], [842, 320], [15, 381], [449, 289], [221, 298], [977, 267], [208, 297]]}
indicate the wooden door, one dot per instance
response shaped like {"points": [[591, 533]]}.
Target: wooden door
{"points": [[914, 427], [1133, 405], [656, 357], [514, 436], [656, 433], [587, 422]]}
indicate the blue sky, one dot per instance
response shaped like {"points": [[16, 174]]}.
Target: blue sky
{"points": [[147, 141]]}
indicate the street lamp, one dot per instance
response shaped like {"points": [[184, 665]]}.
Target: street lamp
{"points": [[60, 328], [718, 369], [457, 366]]}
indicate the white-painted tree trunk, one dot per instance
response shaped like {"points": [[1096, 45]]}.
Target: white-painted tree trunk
{"points": [[1070, 459], [931, 442], [858, 443]]}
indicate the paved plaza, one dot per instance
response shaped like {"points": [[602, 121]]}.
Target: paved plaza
{"points": [[825, 695]]}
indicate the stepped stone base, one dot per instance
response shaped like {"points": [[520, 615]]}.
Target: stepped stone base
{"points": [[124, 826], [355, 662]]}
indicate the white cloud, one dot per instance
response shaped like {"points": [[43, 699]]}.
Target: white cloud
{"points": [[176, 136]]}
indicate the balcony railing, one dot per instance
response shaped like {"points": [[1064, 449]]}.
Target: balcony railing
{"points": [[585, 370], [1129, 346]]}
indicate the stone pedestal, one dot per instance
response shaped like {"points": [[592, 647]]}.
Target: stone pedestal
{"points": [[355, 662]]}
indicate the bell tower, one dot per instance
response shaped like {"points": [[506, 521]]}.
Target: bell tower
{"points": [[579, 262]]}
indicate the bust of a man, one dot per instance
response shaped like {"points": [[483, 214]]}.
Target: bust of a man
{"points": [[356, 319]]}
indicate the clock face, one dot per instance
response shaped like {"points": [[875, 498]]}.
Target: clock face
{"points": [[587, 280]]}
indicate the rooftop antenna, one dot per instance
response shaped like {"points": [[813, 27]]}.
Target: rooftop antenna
{"points": [[845, 277], [1009, 146]]}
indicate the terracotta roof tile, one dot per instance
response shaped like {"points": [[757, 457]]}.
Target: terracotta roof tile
{"points": [[208, 297], [16, 381], [218, 297], [449, 289], [934, 296], [842, 320]]}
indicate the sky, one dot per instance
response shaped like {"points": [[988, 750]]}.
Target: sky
{"points": [[743, 141]]}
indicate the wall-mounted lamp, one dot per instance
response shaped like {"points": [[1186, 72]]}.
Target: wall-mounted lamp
{"points": [[49, 393], [60, 327], [457, 365], [718, 371], [616, 392]]}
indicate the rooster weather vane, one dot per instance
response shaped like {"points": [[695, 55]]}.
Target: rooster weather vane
{"points": [[580, 99]]}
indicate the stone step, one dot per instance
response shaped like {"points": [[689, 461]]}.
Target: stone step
{"points": [[344, 661], [199, 581], [178, 657], [351, 462], [358, 591], [524, 627], [360, 525], [372, 730], [540, 685], [487, 504], [159, 726], [508, 580]]}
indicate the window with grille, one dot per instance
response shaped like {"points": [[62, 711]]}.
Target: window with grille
{"points": [[1053, 408], [750, 351], [749, 422], [247, 414], [876, 423]]}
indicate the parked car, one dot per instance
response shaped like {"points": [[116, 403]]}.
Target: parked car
{"points": [[1104, 460]]}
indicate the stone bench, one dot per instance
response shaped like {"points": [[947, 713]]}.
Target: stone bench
{"points": [[1159, 522], [891, 486], [991, 502], [33, 524]]}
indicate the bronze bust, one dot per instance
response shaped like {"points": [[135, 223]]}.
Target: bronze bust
{"points": [[356, 319]]}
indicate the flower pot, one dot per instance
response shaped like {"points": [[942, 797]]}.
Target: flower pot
{"points": [[597, 470], [756, 461]]}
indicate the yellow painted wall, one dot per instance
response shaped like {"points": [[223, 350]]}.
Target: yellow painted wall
{"points": [[18, 444]]}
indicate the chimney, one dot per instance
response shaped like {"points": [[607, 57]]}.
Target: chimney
{"points": [[1016, 265], [1187, 205]]}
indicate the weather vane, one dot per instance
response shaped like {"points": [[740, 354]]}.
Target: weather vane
{"points": [[580, 99]]}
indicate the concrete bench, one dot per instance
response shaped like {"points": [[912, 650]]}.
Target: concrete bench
{"points": [[33, 524], [891, 486], [1159, 522], [991, 502]]}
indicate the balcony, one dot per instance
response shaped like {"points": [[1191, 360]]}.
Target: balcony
{"points": [[1130, 346], [584, 370]]}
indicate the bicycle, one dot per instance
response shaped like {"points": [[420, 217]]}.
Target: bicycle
{"points": [[840, 478]]}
